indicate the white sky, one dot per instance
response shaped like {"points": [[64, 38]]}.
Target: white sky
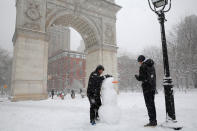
{"points": [[137, 26], [75, 39]]}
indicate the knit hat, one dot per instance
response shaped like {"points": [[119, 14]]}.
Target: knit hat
{"points": [[141, 58]]}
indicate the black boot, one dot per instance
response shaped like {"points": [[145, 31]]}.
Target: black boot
{"points": [[92, 122], [151, 124]]}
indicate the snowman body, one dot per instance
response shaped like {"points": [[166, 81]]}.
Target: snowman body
{"points": [[109, 111]]}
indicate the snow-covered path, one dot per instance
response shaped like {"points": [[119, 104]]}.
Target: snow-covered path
{"points": [[73, 115]]}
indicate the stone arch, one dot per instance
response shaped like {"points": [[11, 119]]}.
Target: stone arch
{"points": [[58, 13], [81, 24], [95, 20]]}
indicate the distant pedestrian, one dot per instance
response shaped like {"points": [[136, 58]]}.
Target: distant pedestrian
{"points": [[148, 77], [52, 93], [62, 95], [72, 94]]}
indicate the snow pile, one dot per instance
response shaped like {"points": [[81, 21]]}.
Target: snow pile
{"points": [[73, 114], [109, 111]]}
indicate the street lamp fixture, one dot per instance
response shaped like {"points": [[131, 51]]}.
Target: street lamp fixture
{"points": [[159, 3], [160, 7]]}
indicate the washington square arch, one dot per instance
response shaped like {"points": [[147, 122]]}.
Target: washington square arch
{"points": [[95, 20]]}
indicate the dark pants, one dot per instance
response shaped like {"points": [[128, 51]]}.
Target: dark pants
{"points": [[52, 96], [95, 103], [149, 98]]}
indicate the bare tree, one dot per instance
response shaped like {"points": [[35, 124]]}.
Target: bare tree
{"points": [[5, 70], [183, 50], [127, 68]]}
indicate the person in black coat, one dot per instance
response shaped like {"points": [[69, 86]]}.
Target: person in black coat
{"points": [[93, 92], [52, 93], [147, 75]]}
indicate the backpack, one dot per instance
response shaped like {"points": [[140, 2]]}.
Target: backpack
{"points": [[151, 76]]}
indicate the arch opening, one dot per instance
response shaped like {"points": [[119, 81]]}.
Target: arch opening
{"points": [[66, 64], [67, 67], [84, 27], [76, 41]]}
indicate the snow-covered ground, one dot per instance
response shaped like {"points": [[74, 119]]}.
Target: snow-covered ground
{"points": [[73, 115]]}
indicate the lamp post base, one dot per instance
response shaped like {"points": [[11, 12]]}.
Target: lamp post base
{"points": [[169, 98]]}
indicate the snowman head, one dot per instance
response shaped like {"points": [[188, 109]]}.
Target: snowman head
{"points": [[109, 84]]}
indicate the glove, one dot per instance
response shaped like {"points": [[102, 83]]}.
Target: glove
{"points": [[137, 77], [107, 76], [92, 101]]}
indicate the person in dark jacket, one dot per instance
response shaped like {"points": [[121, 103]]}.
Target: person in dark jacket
{"points": [[52, 93], [147, 75], [93, 92]]}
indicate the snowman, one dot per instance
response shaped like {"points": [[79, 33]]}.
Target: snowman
{"points": [[109, 111]]}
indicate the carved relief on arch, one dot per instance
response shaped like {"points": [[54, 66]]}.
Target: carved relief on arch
{"points": [[33, 10], [54, 14], [33, 14], [109, 35]]}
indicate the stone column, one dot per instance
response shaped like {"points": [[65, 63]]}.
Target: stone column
{"points": [[110, 62], [105, 55], [29, 72], [105, 52]]}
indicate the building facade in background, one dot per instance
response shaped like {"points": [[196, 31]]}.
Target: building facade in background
{"points": [[59, 39], [66, 68]]}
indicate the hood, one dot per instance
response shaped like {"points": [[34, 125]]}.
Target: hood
{"points": [[149, 62]]}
